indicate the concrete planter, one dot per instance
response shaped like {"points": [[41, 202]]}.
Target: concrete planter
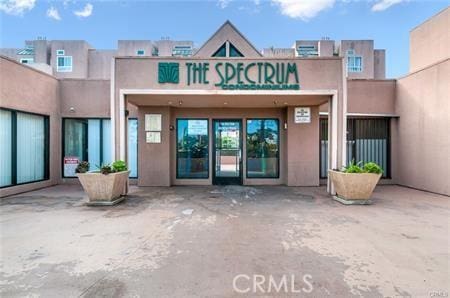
{"points": [[353, 186], [104, 189]]}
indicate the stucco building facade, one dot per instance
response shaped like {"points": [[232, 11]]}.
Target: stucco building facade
{"points": [[225, 113]]}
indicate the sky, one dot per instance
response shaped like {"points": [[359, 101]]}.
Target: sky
{"points": [[265, 23]]}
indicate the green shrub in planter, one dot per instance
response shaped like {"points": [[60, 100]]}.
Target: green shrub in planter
{"points": [[119, 166], [115, 167], [106, 169], [105, 187], [354, 184], [82, 167], [369, 167], [353, 167], [373, 168]]}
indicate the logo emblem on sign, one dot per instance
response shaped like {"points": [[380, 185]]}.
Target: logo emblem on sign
{"points": [[168, 72]]}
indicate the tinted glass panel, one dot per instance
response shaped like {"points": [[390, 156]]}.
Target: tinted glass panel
{"points": [[235, 52], [106, 141], [60, 61], [132, 146], [221, 52], [24, 147], [5, 147], [75, 144], [262, 148], [30, 148], [90, 139], [192, 148], [93, 147], [227, 151]]}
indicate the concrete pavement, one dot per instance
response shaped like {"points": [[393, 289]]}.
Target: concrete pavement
{"points": [[224, 241]]}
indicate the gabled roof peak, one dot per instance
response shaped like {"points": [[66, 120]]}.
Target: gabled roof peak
{"points": [[227, 32]]}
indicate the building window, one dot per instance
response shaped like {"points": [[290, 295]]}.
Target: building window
{"points": [[28, 51], [182, 51], [263, 144], [90, 140], [221, 52], [64, 64], [307, 51], [24, 155], [5, 148], [323, 147], [59, 52], [368, 140], [354, 62], [133, 147], [26, 60], [192, 148], [232, 52], [140, 52]]}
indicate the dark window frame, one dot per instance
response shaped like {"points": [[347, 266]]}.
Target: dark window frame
{"points": [[227, 180], [14, 147], [388, 169], [177, 176], [233, 47], [219, 50], [63, 141], [87, 154], [227, 51], [322, 138], [278, 146]]}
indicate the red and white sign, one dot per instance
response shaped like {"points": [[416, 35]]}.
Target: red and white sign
{"points": [[70, 164]]}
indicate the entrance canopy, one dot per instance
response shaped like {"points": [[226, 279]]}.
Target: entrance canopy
{"points": [[228, 99], [231, 99]]}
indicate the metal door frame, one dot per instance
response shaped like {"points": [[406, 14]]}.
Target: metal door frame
{"points": [[226, 180]]}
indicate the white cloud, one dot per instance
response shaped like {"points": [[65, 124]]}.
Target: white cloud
{"points": [[16, 7], [66, 3], [385, 4], [85, 12], [303, 9], [223, 3], [53, 13]]}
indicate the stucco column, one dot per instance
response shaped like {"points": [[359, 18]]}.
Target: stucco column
{"points": [[113, 109], [118, 121], [333, 149], [122, 127], [122, 137]]}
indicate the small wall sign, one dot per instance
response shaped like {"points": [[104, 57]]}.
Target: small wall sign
{"points": [[302, 115], [152, 122], [153, 137]]}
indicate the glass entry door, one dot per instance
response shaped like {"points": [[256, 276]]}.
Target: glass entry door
{"points": [[227, 150]]}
